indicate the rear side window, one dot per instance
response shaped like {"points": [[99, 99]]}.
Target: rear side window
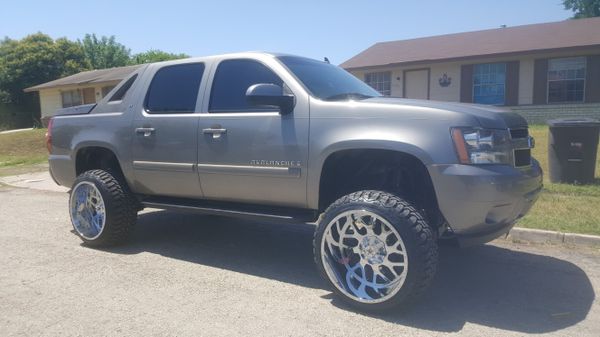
{"points": [[232, 79], [118, 96], [174, 89]]}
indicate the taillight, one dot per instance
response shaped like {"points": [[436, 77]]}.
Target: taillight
{"points": [[49, 136]]}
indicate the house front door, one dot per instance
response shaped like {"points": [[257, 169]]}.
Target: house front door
{"points": [[89, 96], [416, 84]]}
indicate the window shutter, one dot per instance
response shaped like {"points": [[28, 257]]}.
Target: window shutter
{"points": [[511, 94], [592, 79], [466, 83], [540, 81]]}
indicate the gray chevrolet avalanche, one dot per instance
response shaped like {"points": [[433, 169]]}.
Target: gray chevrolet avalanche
{"points": [[282, 138]]}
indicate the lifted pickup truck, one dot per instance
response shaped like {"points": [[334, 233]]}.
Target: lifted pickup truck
{"points": [[289, 139]]}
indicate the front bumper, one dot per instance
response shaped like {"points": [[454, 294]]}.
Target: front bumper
{"points": [[483, 202]]}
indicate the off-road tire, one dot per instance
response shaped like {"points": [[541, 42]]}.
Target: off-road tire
{"points": [[120, 205], [417, 235]]}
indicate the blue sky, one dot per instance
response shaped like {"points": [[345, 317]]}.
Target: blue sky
{"points": [[336, 29]]}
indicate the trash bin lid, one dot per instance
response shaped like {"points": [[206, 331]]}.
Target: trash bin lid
{"points": [[570, 122]]}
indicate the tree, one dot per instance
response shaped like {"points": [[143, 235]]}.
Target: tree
{"points": [[155, 55], [71, 56], [36, 59], [105, 52], [583, 8]]}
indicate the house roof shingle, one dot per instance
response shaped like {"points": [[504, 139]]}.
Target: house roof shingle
{"points": [[88, 77], [518, 39]]}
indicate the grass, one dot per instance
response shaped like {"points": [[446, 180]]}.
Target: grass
{"points": [[563, 207], [23, 148]]}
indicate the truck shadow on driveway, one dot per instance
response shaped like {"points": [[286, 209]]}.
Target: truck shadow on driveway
{"points": [[485, 285]]}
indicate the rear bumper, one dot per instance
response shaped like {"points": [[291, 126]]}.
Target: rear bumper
{"points": [[482, 203], [62, 169]]}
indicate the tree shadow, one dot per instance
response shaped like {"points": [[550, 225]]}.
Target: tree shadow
{"points": [[485, 285]]}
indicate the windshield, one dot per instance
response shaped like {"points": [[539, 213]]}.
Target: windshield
{"points": [[326, 81]]}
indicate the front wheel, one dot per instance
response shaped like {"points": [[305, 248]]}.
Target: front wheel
{"points": [[375, 250], [103, 211]]}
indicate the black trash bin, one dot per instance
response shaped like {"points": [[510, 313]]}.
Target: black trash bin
{"points": [[572, 146]]}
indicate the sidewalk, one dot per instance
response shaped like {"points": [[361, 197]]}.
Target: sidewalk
{"points": [[14, 131], [35, 181]]}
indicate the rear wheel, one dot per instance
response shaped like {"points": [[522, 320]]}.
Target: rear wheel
{"points": [[375, 250], [103, 211]]}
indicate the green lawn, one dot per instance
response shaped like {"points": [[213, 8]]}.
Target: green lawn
{"points": [[563, 207], [23, 148]]}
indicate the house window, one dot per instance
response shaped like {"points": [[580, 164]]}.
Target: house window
{"points": [[380, 81], [71, 98], [489, 81], [566, 79]]}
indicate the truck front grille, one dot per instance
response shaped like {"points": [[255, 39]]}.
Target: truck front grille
{"points": [[519, 133], [522, 150]]}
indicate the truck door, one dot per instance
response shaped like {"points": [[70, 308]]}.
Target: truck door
{"points": [[165, 141], [249, 154]]}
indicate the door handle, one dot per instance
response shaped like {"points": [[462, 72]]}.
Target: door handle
{"points": [[216, 132], [147, 132]]}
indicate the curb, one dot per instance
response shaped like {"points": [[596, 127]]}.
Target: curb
{"points": [[542, 236]]}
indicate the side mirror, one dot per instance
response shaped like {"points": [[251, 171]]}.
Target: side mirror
{"points": [[268, 94]]}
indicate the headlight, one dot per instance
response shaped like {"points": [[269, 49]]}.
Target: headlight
{"points": [[482, 146]]}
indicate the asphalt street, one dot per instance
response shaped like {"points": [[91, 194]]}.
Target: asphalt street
{"points": [[190, 275]]}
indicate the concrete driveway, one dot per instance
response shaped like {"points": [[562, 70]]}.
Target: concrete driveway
{"points": [[185, 275]]}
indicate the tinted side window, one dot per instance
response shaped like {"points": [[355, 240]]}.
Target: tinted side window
{"points": [[232, 79], [118, 96], [174, 89]]}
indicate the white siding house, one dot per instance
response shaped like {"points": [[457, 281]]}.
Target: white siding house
{"points": [[82, 88]]}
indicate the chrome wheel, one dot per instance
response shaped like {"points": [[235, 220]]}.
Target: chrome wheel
{"points": [[88, 213], [364, 256]]}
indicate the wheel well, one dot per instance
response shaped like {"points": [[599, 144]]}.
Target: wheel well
{"points": [[390, 171], [94, 157]]}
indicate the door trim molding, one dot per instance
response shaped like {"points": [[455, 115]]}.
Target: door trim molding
{"points": [[245, 170], [163, 166]]}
